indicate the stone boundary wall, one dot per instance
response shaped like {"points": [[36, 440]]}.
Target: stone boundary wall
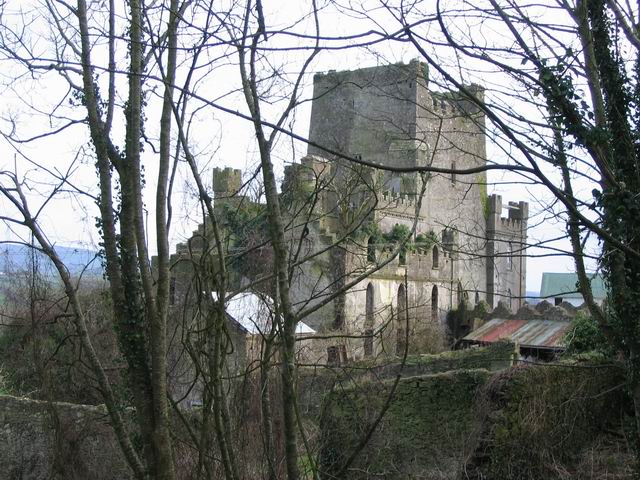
{"points": [[526, 422], [315, 382], [57, 441], [424, 433]]}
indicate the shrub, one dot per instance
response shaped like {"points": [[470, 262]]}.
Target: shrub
{"points": [[585, 335]]}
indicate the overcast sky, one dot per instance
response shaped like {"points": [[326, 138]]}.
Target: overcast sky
{"points": [[219, 139]]}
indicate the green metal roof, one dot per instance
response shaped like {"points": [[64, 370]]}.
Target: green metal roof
{"points": [[564, 285]]}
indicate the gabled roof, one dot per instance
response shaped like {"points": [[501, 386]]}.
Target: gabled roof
{"points": [[254, 313], [564, 285], [547, 334]]}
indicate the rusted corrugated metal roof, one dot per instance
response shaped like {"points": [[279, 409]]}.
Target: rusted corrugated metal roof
{"points": [[528, 333]]}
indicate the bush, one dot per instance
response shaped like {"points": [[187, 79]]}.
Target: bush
{"points": [[585, 335], [40, 355], [538, 422]]}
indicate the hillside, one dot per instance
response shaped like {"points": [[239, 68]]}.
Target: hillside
{"points": [[15, 258]]}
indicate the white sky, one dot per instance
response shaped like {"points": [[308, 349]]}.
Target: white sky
{"points": [[219, 140]]}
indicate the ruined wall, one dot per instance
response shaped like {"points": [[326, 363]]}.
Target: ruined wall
{"points": [[422, 435], [58, 441]]}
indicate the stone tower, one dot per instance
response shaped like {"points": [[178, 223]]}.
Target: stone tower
{"points": [[387, 116], [463, 249]]}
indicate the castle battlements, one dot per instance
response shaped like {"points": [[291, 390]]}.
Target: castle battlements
{"points": [[404, 199], [514, 223]]}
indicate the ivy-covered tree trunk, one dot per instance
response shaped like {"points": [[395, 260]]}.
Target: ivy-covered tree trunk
{"points": [[139, 309], [620, 197], [613, 142]]}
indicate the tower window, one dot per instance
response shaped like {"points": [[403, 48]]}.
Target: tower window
{"points": [[434, 303], [510, 256], [172, 291]]}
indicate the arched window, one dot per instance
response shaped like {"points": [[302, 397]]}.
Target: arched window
{"points": [[401, 320], [368, 322], [435, 257], [477, 299], [510, 256], [371, 250], [434, 303]]}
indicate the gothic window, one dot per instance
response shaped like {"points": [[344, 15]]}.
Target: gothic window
{"points": [[368, 322], [371, 250], [477, 299], [336, 355], [434, 303], [401, 320], [435, 257], [510, 256], [332, 356], [453, 173]]}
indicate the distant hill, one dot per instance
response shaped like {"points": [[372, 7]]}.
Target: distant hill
{"points": [[18, 258], [532, 297]]}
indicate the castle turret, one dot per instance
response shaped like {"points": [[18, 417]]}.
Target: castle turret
{"points": [[226, 185], [506, 252]]}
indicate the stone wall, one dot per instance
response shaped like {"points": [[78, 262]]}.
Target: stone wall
{"points": [[58, 441], [422, 435], [527, 422]]}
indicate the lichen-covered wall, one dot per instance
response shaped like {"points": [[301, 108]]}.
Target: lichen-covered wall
{"points": [[57, 441], [552, 422], [526, 422], [422, 434], [315, 382]]}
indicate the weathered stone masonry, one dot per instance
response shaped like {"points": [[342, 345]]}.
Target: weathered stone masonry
{"points": [[387, 116]]}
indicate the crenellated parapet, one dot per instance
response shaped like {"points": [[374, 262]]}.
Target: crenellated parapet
{"points": [[418, 264], [226, 182], [516, 220], [398, 199]]}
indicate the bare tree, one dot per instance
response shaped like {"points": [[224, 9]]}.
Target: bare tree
{"points": [[568, 115], [136, 79]]}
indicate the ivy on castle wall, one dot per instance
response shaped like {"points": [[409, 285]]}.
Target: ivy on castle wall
{"points": [[246, 231], [398, 234], [484, 197]]}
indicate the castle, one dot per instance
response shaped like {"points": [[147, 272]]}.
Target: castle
{"points": [[389, 249]]}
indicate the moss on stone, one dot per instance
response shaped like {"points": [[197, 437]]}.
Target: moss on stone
{"points": [[429, 418], [539, 420]]}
